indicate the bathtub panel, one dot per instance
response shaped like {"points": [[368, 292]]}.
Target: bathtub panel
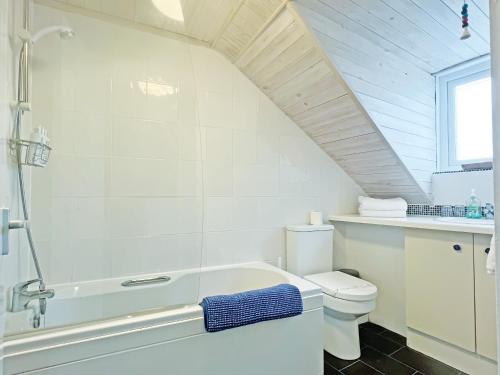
{"points": [[152, 334], [293, 346]]}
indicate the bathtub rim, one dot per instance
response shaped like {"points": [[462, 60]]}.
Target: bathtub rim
{"points": [[94, 287], [143, 323]]}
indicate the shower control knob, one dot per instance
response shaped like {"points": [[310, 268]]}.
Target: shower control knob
{"points": [[5, 226], [487, 250], [457, 247], [18, 224], [4, 231]]}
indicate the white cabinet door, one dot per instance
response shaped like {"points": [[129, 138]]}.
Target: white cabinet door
{"points": [[440, 285], [485, 300]]}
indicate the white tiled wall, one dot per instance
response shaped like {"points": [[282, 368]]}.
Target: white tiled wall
{"points": [[160, 148], [5, 176], [14, 266], [455, 188]]}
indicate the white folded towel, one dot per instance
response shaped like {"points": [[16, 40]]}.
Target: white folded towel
{"points": [[491, 261], [393, 204], [382, 213]]}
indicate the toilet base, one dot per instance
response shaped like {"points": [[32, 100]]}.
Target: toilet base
{"points": [[342, 334]]}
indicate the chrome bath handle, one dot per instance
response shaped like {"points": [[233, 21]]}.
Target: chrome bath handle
{"points": [[146, 281]]}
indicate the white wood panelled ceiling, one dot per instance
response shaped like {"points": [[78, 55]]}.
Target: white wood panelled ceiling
{"points": [[227, 25], [424, 30], [386, 51], [355, 75], [195, 14], [287, 64]]}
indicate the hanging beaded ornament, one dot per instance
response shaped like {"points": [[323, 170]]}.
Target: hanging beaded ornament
{"points": [[465, 21]]}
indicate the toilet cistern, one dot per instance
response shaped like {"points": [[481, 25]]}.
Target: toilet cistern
{"points": [[345, 298]]}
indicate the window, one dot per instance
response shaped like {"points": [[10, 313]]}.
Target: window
{"points": [[464, 114]]}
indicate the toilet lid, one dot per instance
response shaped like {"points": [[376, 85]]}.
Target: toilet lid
{"points": [[341, 285]]}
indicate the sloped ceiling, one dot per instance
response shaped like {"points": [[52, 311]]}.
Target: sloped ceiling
{"points": [[386, 51], [227, 25], [355, 75], [287, 64]]}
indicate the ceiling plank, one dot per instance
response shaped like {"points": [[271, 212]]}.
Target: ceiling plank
{"points": [[450, 18]]}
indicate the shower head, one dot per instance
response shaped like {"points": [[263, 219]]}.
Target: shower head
{"points": [[23, 86], [64, 32], [67, 33]]}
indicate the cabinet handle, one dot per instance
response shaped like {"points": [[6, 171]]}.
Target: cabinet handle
{"points": [[457, 247], [487, 250]]}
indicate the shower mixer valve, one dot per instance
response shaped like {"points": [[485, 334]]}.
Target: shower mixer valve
{"points": [[22, 296], [5, 226]]}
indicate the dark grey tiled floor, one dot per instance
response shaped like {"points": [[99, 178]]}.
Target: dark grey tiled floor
{"points": [[385, 352]]}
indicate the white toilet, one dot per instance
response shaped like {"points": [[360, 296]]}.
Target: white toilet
{"points": [[345, 297]]}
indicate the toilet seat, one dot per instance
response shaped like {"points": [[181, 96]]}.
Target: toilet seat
{"points": [[343, 286]]}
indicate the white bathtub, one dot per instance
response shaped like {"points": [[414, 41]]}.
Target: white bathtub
{"points": [[103, 328]]}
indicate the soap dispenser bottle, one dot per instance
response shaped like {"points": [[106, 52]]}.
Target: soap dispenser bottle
{"points": [[474, 206]]}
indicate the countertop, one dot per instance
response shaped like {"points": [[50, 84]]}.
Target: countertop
{"points": [[421, 222]]}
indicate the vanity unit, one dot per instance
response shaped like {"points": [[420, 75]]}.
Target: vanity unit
{"points": [[449, 298], [449, 295]]}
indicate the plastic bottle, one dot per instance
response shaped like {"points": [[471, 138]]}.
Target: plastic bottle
{"points": [[474, 206]]}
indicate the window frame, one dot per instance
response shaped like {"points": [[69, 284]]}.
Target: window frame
{"points": [[446, 81]]}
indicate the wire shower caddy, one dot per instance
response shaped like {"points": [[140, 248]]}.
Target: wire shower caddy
{"points": [[33, 154]]}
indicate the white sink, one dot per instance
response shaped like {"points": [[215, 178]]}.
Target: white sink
{"points": [[464, 220]]}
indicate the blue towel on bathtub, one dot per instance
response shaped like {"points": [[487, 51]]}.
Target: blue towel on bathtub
{"points": [[235, 310]]}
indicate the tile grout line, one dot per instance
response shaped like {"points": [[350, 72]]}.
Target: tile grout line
{"points": [[391, 340], [397, 360], [394, 352], [387, 338], [372, 367], [391, 355], [405, 364], [394, 359], [343, 368], [401, 346], [330, 366], [421, 371]]}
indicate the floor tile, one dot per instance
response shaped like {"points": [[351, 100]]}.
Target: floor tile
{"points": [[422, 363], [335, 362], [378, 342], [329, 370], [384, 363], [360, 368], [372, 327], [385, 352], [393, 336]]}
